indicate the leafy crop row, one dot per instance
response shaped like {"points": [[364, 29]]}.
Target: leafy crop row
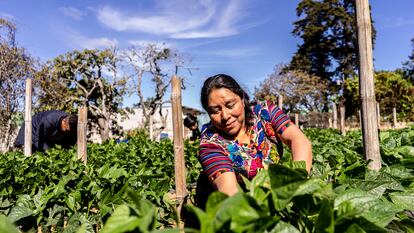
{"points": [[125, 187], [56, 191]]}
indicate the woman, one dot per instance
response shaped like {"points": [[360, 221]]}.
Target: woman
{"points": [[191, 123], [240, 135]]}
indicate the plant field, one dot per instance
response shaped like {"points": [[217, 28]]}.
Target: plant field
{"points": [[125, 187]]}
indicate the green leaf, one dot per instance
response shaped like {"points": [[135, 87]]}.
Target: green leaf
{"points": [[399, 172], [281, 176], [406, 151], [298, 165], [325, 221], [354, 228], [82, 229], [145, 210], [103, 171], [206, 222], [214, 201], [283, 227], [354, 203], [22, 209], [6, 225], [121, 221], [359, 224], [259, 187], [287, 183], [70, 202], [403, 200], [19, 212], [174, 230], [378, 186], [246, 216]]}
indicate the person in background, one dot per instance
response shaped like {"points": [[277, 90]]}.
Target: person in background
{"points": [[50, 128], [191, 123], [238, 140]]}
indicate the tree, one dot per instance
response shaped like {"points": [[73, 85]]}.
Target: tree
{"points": [[89, 78], [15, 67], [301, 91], [408, 66], [391, 90], [329, 46], [10, 28], [157, 63]]}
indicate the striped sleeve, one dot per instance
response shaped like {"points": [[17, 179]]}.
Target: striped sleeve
{"points": [[213, 160], [279, 120]]}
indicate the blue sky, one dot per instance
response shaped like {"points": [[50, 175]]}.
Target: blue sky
{"points": [[243, 38]]}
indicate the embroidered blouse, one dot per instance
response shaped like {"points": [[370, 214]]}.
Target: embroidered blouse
{"points": [[218, 154]]}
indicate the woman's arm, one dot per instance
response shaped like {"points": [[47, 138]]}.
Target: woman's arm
{"points": [[226, 183], [218, 167], [299, 144]]}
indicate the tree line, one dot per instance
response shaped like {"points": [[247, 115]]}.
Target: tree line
{"points": [[323, 69], [99, 79]]}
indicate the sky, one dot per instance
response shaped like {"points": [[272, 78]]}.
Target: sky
{"points": [[242, 38]]}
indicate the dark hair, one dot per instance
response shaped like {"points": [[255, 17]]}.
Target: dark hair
{"points": [[73, 122], [226, 81], [190, 120]]}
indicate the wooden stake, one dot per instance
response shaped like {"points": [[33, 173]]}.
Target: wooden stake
{"points": [[280, 101], [177, 116], [82, 131], [335, 116], [65, 222], [378, 115], [297, 119], [28, 119], [151, 131], [394, 117], [342, 116], [366, 85]]}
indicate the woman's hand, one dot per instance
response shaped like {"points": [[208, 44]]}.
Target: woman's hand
{"points": [[299, 144]]}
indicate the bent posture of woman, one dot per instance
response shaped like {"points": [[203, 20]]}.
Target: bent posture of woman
{"points": [[241, 134]]}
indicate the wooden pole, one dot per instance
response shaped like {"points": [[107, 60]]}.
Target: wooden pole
{"points": [[330, 122], [342, 122], [366, 85], [335, 116], [82, 131], [394, 117], [177, 116], [280, 101], [378, 116], [297, 119], [151, 129], [28, 119]]}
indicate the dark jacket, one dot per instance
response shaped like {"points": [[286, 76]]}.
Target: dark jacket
{"points": [[46, 131], [196, 134]]}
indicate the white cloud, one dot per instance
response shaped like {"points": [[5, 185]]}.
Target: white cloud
{"points": [[234, 53], [179, 19], [72, 12], [92, 43], [141, 42]]}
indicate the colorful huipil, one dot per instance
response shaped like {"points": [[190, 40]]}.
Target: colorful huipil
{"points": [[218, 154]]}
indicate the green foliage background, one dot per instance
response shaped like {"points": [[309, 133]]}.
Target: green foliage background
{"points": [[391, 90]]}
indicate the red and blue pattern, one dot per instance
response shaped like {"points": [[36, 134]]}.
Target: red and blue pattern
{"points": [[218, 155]]}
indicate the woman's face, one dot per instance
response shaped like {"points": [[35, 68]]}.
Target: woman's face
{"points": [[226, 111]]}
